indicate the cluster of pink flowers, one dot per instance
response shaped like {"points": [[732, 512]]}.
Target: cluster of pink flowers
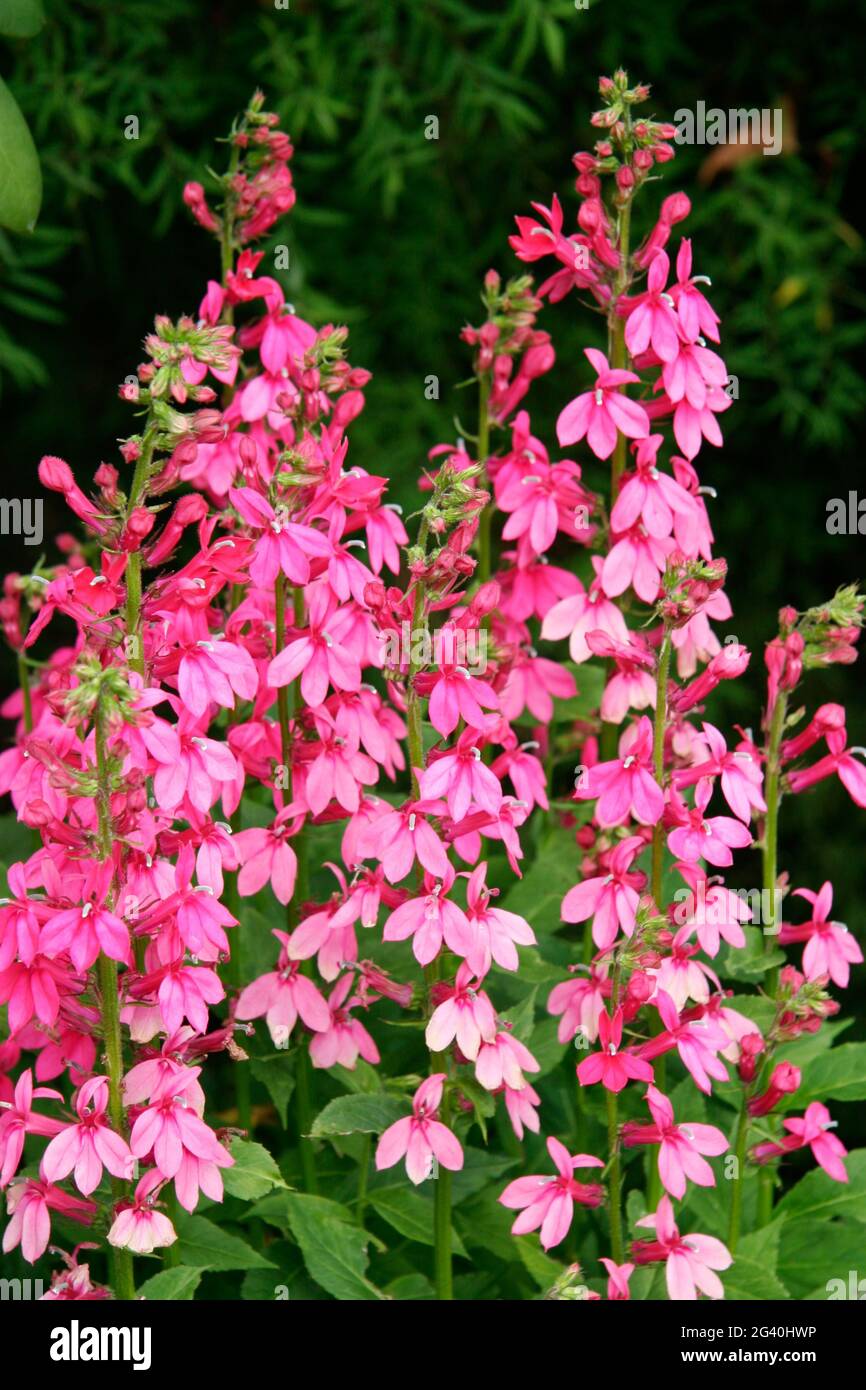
{"points": [[237, 638]]}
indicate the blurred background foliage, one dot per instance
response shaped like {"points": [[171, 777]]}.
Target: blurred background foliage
{"points": [[393, 232]]}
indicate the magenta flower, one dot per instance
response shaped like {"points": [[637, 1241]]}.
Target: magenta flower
{"points": [[680, 1146], [613, 1068], [495, 933], [626, 786], [86, 930], [697, 1040], [580, 1002], [600, 413], [421, 1137], [741, 775], [89, 1144], [455, 694], [652, 318], [18, 1119], [398, 837], [317, 656], [582, 612], [831, 949], [611, 899], [704, 837], [430, 920], [29, 1203], [460, 778], [215, 671], [548, 1202], [171, 1129], [281, 996], [812, 1129], [690, 1261], [617, 1278]]}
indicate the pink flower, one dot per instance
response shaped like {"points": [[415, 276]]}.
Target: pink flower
{"points": [[215, 671], [266, 855], [85, 931], [18, 1119], [548, 1202], [697, 1040], [812, 1128], [613, 1068], [420, 1136], [581, 1003], [696, 314], [503, 1061], [626, 786], [698, 837], [495, 933], [281, 996], [465, 1013], [455, 694], [283, 545], [583, 612], [398, 837], [637, 560], [461, 779], [138, 1226], [430, 920], [652, 320], [29, 1203], [830, 948], [603, 411], [89, 1144], [690, 1260], [680, 1146], [170, 1129], [317, 657], [610, 899], [740, 773], [346, 1039], [618, 1277]]}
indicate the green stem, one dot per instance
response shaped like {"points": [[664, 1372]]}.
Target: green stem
{"points": [[614, 1180], [135, 648], [659, 726], [304, 1113], [737, 1186], [363, 1177], [109, 1006], [485, 563]]}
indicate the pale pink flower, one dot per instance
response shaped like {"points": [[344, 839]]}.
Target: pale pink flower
{"points": [[214, 671], [494, 932], [138, 1226], [281, 996], [29, 1203], [610, 898], [580, 1002], [430, 920], [465, 1014], [503, 1061], [582, 612], [346, 1039], [704, 837], [420, 1136], [710, 910], [317, 657], [170, 1128], [460, 778], [617, 1278], [626, 785], [740, 773]]}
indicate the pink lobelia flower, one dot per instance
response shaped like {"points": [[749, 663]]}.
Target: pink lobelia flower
{"points": [[281, 996], [659, 502], [830, 948], [696, 314], [420, 1136], [617, 1278], [704, 837], [682, 976], [626, 786], [740, 773], [503, 1061], [613, 1068], [455, 694], [430, 920], [85, 931], [400, 835], [522, 1108], [710, 910], [611, 899], [680, 1146], [460, 778], [18, 1119], [171, 1129], [283, 545], [582, 612], [465, 1013], [495, 933], [138, 1226], [635, 559], [214, 671], [652, 319], [632, 686], [29, 1203], [840, 759], [698, 1040], [690, 1261], [812, 1128], [317, 656], [580, 1002], [548, 1202], [266, 854], [88, 1144], [602, 412], [347, 1039]]}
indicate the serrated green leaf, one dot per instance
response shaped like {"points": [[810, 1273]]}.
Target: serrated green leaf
{"points": [[333, 1246], [173, 1285], [410, 1213], [753, 1275], [836, 1075], [254, 1173], [205, 1245], [814, 1252], [364, 1113], [817, 1195]]}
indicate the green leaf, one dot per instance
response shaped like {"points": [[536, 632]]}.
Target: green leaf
{"points": [[814, 1252], [358, 1114], [207, 1246], [538, 895], [541, 1268], [753, 1273], [590, 679], [255, 1171], [818, 1195], [751, 961], [411, 1214], [410, 1286], [836, 1075], [174, 1285], [20, 175], [278, 1080], [21, 19], [333, 1246]]}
